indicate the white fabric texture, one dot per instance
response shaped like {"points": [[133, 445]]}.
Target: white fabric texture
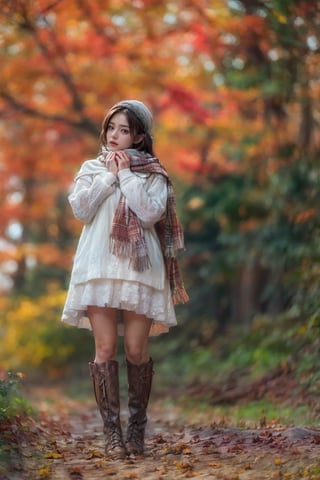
{"points": [[101, 278]]}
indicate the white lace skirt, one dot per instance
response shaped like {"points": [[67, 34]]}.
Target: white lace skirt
{"points": [[123, 295]]}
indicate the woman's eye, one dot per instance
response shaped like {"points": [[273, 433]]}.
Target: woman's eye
{"points": [[125, 131]]}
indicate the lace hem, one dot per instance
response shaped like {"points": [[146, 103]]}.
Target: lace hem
{"points": [[123, 295]]}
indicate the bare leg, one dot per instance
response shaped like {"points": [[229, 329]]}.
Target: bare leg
{"points": [[136, 337], [104, 326]]}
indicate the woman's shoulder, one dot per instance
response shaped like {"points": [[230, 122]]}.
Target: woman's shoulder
{"points": [[91, 167], [92, 164]]}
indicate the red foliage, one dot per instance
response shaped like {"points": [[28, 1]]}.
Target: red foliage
{"points": [[186, 101]]}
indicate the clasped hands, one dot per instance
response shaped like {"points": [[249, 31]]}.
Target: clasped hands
{"points": [[116, 161]]}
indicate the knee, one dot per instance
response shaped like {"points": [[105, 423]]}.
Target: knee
{"points": [[105, 351], [135, 354]]}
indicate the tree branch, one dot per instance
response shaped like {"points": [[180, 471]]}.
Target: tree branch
{"points": [[84, 123]]}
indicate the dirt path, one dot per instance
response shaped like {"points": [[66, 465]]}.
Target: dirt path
{"points": [[67, 444]]}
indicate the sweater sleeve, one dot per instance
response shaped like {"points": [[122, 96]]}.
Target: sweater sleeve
{"points": [[146, 198], [88, 194]]}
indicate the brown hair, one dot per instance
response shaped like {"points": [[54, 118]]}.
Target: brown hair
{"points": [[135, 126]]}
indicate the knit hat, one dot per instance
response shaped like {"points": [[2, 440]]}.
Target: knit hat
{"points": [[140, 111]]}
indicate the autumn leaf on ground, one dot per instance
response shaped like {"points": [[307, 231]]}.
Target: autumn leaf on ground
{"points": [[94, 454], [214, 464], [184, 466], [53, 455], [44, 472], [178, 449], [236, 448], [110, 471], [75, 470], [159, 439]]}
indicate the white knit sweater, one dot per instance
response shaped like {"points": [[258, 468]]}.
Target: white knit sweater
{"points": [[94, 200]]}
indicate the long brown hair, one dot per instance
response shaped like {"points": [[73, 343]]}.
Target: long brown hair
{"points": [[135, 126]]}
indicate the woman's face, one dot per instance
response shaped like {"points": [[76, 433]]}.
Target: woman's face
{"points": [[118, 133]]}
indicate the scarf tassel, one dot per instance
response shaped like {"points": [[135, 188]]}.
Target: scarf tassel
{"points": [[136, 251], [172, 250], [179, 295], [178, 292], [121, 248], [140, 264]]}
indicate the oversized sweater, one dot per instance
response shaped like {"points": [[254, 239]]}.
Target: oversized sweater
{"points": [[94, 200]]}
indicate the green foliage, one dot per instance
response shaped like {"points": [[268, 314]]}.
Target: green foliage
{"points": [[14, 410], [244, 415], [283, 343], [252, 229], [282, 340], [269, 343], [11, 402], [236, 223]]}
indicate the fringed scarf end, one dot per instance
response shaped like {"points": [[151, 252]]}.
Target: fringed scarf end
{"points": [[180, 295], [140, 264], [171, 249], [126, 249], [121, 248]]}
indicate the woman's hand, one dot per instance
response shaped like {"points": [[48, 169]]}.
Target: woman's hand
{"points": [[123, 159], [111, 162]]}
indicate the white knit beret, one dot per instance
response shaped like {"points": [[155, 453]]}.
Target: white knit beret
{"points": [[140, 110]]}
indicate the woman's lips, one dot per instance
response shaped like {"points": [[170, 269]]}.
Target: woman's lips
{"points": [[113, 144]]}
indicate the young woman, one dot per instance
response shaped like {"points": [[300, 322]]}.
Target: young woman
{"points": [[125, 278]]}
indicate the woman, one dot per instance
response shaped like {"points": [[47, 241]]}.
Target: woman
{"points": [[125, 278]]}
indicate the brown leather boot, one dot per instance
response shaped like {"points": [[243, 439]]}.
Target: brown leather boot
{"points": [[105, 380], [139, 388]]}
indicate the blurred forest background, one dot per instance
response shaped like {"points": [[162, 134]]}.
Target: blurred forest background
{"points": [[234, 88]]}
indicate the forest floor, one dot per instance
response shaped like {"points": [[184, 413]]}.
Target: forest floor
{"points": [[65, 442]]}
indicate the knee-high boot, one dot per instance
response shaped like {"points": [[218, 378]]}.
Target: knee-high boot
{"points": [[139, 388], [105, 379]]}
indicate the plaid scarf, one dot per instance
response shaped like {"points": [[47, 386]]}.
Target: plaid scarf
{"points": [[127, 239]]}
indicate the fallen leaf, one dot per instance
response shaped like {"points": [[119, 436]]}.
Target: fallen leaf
{"points": [[179, 448], [110, 471], [53, 455], [184, 466], [236, 448], [77, 470], [94, 454], [214, 464], [44, 472]]}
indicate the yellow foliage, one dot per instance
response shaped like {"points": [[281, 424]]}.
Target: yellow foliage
{"points": [[34, 336]]}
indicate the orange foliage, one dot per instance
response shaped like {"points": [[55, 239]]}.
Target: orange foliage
{"points": [[305, 216]]}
